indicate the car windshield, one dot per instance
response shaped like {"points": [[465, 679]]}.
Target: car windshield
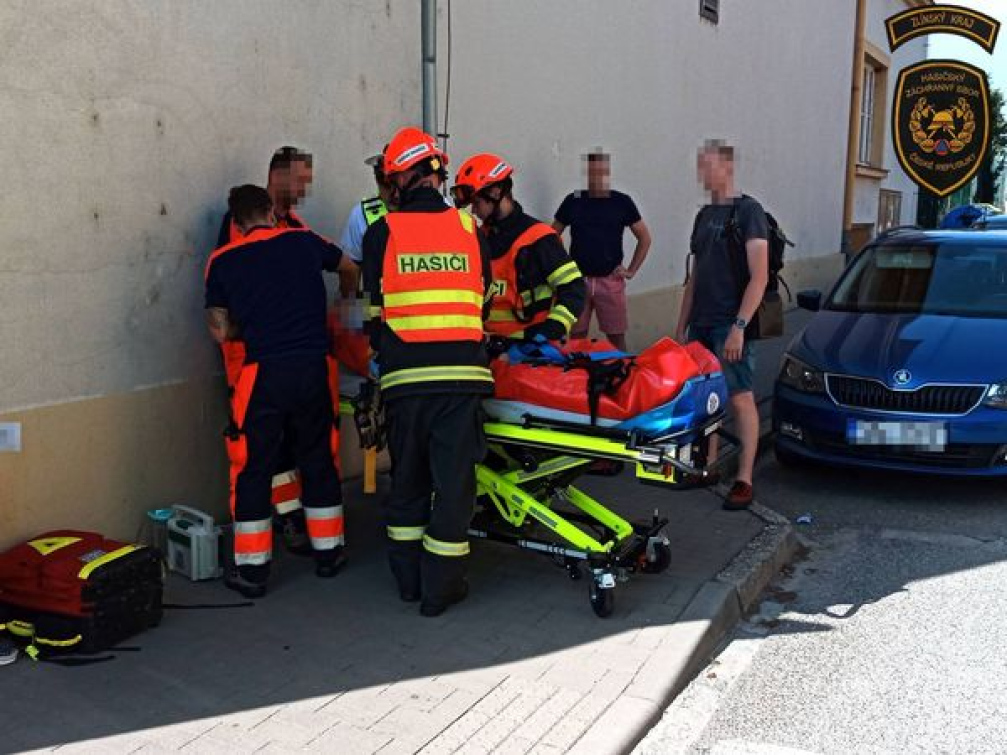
{"points": [[939, 279]]}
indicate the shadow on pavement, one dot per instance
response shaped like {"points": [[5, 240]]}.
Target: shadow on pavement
{"points": [[889, 531]]}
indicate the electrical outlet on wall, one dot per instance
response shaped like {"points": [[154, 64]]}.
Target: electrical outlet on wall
{"points": [[10, 437]]}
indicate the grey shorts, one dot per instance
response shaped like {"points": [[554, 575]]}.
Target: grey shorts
{"points": [[739, 375]]}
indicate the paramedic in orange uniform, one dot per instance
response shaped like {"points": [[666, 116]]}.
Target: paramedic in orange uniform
{"points": [[290, 175], [267, 288]]}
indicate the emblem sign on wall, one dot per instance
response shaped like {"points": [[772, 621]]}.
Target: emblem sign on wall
{"points": [[941, 108]]}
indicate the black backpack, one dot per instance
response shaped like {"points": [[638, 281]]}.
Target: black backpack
{"points": [[778, 243], [768, 319]]}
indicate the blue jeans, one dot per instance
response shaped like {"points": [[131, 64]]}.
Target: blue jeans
{"points": [[739, 375]]}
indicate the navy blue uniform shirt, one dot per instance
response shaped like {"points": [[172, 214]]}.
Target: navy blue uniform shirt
{"points": [[271, 284]]}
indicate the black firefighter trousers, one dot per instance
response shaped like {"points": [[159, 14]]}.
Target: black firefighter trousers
{"points": [[435, 441]]}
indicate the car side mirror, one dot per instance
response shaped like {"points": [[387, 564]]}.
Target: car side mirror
{"points": [[810, 300]]}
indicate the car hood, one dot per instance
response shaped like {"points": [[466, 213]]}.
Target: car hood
{"points": [[932, 348]]}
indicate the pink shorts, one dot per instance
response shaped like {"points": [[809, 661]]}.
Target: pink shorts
{"points": [[606, 297]]}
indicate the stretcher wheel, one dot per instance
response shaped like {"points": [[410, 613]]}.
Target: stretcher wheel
{"points": [[662, 560], [602, 600]]}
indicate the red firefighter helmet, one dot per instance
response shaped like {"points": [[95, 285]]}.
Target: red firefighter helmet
{"points": [[477, 173], [409, 147]]}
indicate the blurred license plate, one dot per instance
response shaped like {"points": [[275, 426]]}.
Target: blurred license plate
{"points": [[926, 436]]}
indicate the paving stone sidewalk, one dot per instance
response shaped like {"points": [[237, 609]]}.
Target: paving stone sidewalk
{"points": [[343, 666]]}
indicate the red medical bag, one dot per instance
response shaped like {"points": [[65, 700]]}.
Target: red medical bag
{"points": [[77, 591], [656, 377]]}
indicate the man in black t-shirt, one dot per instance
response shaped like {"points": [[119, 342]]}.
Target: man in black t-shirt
{"points": [[597, 219], [719, 301]]}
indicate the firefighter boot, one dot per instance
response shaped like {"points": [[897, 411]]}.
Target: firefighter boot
{"points": [[404, 558], [433, 608], [329, 563], [295, 533], [249, 580]]}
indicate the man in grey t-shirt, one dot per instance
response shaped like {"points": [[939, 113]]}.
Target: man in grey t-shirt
{"points": [[723, 294]]}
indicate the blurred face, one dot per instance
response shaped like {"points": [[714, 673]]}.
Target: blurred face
{"points": [[712, 170], [482, 206], [292, 184], [598, 173]]}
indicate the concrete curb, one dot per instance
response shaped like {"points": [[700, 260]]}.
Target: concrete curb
{"points": [[710, 616]]}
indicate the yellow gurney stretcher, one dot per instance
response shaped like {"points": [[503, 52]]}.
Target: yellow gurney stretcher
{"points": [[526, 491]]}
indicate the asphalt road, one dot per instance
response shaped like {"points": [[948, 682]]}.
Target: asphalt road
{"points": [[889, 636]]}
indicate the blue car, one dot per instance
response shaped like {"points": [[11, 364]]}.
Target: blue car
{"points": [[904, 366]]}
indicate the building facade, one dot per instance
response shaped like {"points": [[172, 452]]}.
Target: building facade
{"points": [[125, 123]]}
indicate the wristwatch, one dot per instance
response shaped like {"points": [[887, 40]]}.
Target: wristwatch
{"points": [[741, 323]]}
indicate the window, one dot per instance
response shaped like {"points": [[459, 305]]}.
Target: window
{"points": [[889, 209], [710, 10], [873, 92], [867, 115]]}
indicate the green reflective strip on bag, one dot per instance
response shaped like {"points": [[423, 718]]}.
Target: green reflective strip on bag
{"points": [[445, 296], [107, 558], [434, 322], [406, 534], [21, 628], [59, 643], [468, 222], [444, 548], [563, 316], [430, 374], [564, 274]]}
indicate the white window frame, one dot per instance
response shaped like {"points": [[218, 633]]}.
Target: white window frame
{"points": [[867, 114]]}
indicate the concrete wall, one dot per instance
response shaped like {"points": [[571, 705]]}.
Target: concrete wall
{"points": [[541, 83], [868, 189], [124, 123]]}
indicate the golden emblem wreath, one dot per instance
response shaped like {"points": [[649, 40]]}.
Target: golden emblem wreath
{"points": [[925, 123]]}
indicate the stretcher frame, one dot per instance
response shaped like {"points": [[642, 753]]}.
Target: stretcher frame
{"points": [[526, 497]]}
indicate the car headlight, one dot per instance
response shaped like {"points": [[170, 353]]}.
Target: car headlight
{"points": [[996, 396], [802, 377]]}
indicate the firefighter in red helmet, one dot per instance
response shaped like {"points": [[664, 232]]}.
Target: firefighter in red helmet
{"points": [[538, 291], [427, 273]]}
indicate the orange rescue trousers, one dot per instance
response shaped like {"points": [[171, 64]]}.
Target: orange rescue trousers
{"points": [[290, 397], [286, 495]]}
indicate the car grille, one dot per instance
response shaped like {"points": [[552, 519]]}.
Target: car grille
{"points": [[862, 393]]}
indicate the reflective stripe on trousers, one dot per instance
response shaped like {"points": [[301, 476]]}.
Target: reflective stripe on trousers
{"points": [[444, 548], [253, 542], [286, 493], [406, 534], [325, 526]]}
